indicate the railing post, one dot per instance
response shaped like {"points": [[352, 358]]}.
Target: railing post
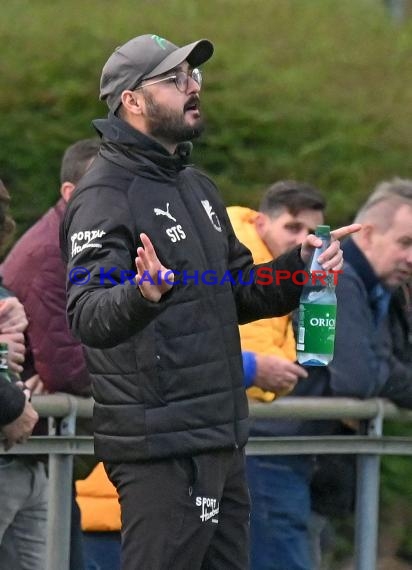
{"points": [[367, 500], [60, 499]]}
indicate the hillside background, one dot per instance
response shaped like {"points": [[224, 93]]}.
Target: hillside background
{"points": [[317, 90]]}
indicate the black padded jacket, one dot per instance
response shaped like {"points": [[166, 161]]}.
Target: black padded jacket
{"points": [[167, 376]]}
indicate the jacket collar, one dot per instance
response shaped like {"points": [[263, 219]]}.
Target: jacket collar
{"points": [[138, 151], [353, 255], [379, 297]]}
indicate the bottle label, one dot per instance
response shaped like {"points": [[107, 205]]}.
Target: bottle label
{"points": [[3, 360], [316, 332], [4, 365]]}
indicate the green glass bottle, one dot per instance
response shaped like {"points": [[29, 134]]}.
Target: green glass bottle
{"points": [[4, 362], [317, 311]]}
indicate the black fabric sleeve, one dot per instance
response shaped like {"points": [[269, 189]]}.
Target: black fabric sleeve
{"points": [[360, 367], [266, 296], [103, 313], [398, 388], [12, 402]]}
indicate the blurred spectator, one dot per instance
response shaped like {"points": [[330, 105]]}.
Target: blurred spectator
{"points": [[333, 485], [35, 271], [377, 260], [23, 502], [100, 510], [288, 211], [399, 387]]}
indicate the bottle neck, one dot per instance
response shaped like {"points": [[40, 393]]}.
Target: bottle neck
{"points": [[314, 264], [319, 277]]}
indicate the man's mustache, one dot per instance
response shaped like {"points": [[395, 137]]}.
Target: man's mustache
{"points": [[192, 103]]}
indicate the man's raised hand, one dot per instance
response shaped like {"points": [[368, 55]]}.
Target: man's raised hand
{"points": [[332, 258], [153, 279]]}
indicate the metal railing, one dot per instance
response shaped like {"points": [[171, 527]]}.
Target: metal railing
{"points": [[61, 449]]}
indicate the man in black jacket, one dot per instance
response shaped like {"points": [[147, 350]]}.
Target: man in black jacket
{"points": [[399, 387], [367, 363], [171, 416]]}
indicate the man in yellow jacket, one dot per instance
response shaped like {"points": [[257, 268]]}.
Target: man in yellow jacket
{"points": [[100, 518], [288, 211]]}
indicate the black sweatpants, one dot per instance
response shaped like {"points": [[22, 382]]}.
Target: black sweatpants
{"points": [[188, 513]]}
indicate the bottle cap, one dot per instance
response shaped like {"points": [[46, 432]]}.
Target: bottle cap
{"points": [[322, 231]]}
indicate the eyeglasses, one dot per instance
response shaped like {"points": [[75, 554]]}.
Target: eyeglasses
{"points": [[180, 78]]}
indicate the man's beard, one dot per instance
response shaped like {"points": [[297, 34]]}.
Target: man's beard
{"points": [[168, 125]]}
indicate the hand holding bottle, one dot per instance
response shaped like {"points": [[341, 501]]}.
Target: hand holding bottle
{"points": [[16, 350], [332, 257], [12, 316], [317, 309]]}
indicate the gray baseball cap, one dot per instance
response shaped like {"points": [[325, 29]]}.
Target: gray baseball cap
{"points": [[144, 57]]}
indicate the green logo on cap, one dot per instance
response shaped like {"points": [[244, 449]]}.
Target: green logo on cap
{"points": [[160, 41]]}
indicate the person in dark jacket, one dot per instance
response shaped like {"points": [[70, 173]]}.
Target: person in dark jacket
{"points": [[399, 387], [35, 272], [377, 260], [17, 416], [171, 416], [389, 348], [22, 539]]}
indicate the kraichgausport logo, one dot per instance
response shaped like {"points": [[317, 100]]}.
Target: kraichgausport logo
{"points": [[85, 239], [262, 276]]}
